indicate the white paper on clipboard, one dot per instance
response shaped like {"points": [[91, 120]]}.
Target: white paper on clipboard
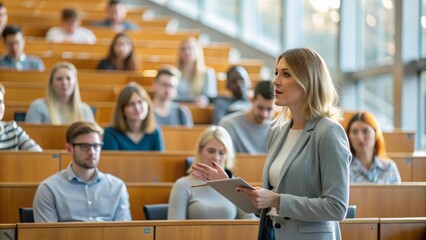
{"points": [[227, 188]]}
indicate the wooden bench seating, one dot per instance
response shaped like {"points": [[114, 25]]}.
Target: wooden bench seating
{"points": [[144, 230], [84, 61], [175, 138], [139, 166], [89, 11], [155, 29], [351, 229], [28, 166], [392, 200], [406, 200], [402, 228], [390, 138], [31, 91], [247, 166], [127, 165], [144, 48], [52, 17], [104, 112], [411, 166], [54, 4], [85, 77]]}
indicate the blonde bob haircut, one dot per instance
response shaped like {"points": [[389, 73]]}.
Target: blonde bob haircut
{"points": [[72, 111], [119, 120], [309, 70], [219, 133], [196, 83]]}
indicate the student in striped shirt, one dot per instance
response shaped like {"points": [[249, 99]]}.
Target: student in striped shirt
{"points": [[13, 137]]}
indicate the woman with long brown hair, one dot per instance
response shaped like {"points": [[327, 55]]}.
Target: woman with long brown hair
{"points": [[121, 54]]}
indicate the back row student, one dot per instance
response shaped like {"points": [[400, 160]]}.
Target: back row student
{"points": [[168, 112], [116, 17], [70, 30]]}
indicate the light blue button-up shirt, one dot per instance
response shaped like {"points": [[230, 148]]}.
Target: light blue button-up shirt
{"points": [[381, 171], [63, 197], [23, 63]]}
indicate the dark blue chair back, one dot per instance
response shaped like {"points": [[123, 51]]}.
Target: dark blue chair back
{"points": [[156, 211], [26, 215]]}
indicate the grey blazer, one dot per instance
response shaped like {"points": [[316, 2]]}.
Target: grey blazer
{"points": [[314, 181]]}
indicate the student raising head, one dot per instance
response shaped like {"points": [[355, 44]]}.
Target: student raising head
{"points": [[133, 126], [62, 104]]}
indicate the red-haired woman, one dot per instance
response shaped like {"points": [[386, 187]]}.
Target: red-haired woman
{"points": [[370, 162]]}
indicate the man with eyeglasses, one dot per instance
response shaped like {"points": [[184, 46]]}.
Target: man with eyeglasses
{"points": [[166, 111], [82, 193]]}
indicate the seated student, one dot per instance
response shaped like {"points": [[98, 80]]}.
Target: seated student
{"points": [[62, 104], [198, 82], [121, 55], [82, 193], [3, 16], [15, 57], [238, 83], [133, 125], [370, 162], [214, 147], [12, 136], [250, 129], [116, 15], [166, 111], [70, 30]]}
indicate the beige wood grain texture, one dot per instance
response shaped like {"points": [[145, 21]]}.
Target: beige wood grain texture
{"points": [[24, 166]]}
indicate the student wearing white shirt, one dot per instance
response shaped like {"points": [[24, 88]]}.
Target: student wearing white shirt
{"points": [[70, 30]]}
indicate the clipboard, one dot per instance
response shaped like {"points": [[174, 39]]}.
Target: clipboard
{"points": [[227, 188]]}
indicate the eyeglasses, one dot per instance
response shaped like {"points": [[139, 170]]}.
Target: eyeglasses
{"points": [[87, 146]]}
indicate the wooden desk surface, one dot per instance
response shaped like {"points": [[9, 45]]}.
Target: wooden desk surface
{"points": [[403, 228], [27, 166], [89, 231], [351, 229], [389, 200], [360, 228]]}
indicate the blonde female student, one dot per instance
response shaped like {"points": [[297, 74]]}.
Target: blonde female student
{"points": [[305, 180], [198, 82], [62, 104], [186, 202]]}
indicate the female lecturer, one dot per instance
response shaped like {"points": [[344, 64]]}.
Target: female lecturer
{"points": [[305, 181]]}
